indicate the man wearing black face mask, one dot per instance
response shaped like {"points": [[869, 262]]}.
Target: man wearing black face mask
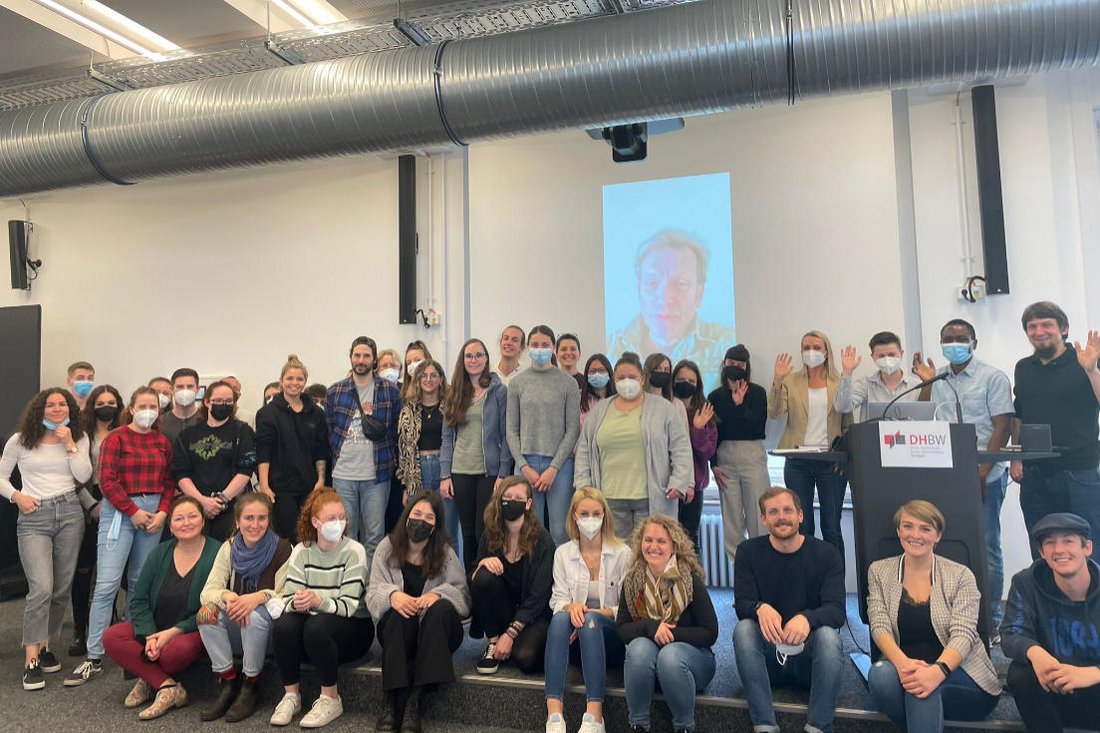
{"points": [[213, 460], [740, 465]]}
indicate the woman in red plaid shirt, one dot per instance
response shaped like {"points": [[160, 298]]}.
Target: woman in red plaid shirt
{"points": [[137, 488]]}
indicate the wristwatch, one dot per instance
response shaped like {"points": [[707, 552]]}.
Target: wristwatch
{"points": [[73, 449]]}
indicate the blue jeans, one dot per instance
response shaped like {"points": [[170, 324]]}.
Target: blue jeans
{"points": [[49, 541], [225, 636], [994, 557], [819, 667], [429, 479], [681, 669], [801, 476], [957, 698], [1044, 491], [599, 646], [365, 503], [133, 545], [552, 506]]}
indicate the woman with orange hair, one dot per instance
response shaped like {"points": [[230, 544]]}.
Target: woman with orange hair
{"points": [[321, 615]]}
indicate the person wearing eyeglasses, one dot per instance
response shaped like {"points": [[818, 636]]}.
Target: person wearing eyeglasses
{"points": [[473, 456], [213, 460]]}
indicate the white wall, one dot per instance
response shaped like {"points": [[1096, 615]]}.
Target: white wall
{"points": [[814, 215]]}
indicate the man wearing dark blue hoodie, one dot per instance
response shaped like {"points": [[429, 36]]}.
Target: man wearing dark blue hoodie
{"points": [[1051, 630]]}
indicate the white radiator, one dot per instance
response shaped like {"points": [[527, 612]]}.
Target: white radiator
{"points": [[712, 552]]}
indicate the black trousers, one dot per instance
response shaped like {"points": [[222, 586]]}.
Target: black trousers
{"points": [[690, 517], [287, 508], [417, 651], [472, 495], [324, 639], [224, 525], [84, 578], [494, 610], [1050, 712]]}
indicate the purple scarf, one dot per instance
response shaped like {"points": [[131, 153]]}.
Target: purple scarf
{"points": [[250, 562]]}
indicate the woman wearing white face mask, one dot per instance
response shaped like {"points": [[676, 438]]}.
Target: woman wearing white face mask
{"points": [[888, 381], [323, 617], [389, 366], [136, 480], [543, 418], [635, 447], [808, 399], [588, 572]]}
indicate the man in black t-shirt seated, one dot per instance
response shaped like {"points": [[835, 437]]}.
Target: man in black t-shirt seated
{"points": [[789, 597]]}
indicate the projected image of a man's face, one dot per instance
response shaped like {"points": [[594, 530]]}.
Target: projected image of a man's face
{"points": [[669, 293]]}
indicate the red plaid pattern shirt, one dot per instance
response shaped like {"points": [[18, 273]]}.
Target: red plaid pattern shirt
{"points": [[135, 463]]}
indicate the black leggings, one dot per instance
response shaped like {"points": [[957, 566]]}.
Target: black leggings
{"points": [[287, 508], [472, 494], [324, 639], [417, 651], [494, 610], [1051, 712], [690, 517], [83, 579]]}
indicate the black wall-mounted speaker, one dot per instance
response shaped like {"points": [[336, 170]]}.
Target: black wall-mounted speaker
{"points": [[406, 239], [990, 200], [18, 232]]}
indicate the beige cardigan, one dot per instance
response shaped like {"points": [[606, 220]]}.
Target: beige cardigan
{"points": [[792, 398]]}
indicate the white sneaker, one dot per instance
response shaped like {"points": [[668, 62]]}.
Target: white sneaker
{"points": [[288, 707], [555, 724], [589, 725], [325, 710]]}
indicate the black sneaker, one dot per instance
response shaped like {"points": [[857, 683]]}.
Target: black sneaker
{"points": [[487, 664], [33, 678], [78, 648], [48, 662], [83, 672]]}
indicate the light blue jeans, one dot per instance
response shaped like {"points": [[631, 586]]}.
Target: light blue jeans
{"points": [[131, 544], [681, 669], [552, 506], [49, 540], [226, 636], [819, 667], [365, 503], [429, 479], [599, 645], [994, 557]]}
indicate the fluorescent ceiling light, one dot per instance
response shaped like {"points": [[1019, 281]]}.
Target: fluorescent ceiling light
{"points": [[136, 30], [294, 13], [111, 25], [98, 28], [319, 11]]}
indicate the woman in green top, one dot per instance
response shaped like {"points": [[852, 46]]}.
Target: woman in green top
{"points": [[635, 447], [162, 638]]}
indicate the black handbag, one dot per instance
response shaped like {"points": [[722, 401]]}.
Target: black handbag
{"points": [[373, 428]]}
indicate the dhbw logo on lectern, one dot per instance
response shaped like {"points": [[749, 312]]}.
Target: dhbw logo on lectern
{"points": [[914, 439], [895, 439]]}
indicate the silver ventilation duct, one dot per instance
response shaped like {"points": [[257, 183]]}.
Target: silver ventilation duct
{"points": [[687, 59]]}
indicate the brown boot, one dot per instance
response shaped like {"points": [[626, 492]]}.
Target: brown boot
{"points": [[168, 696]]}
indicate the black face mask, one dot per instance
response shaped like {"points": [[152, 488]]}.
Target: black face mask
{"points": [[734, 373], [221, 412], [660, 380], [512, 509], [419, 530], [106, 413], [684, 390]]}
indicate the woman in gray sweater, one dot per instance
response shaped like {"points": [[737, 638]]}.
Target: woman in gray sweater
{"points": [[635, 447], [418, 597]]}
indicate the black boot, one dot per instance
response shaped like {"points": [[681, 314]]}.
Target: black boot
{"points": [[78, 648], [410, 721], [227, 692], [245, 703], [390, 718]]}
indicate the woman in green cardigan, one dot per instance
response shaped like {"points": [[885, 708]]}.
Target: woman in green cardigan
{"points": [[162, 638]]}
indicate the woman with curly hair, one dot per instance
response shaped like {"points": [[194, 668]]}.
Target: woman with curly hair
{"points": [[51, 452], [667, 622], [420, 438], [102, 413], [511, 584]]}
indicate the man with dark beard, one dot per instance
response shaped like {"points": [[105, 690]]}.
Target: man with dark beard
{"points": [[788, 592], [1059, 385]]}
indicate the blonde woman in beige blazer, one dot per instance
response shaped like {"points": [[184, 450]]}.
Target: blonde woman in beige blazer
{"points": [[807, 398], [923, 613]]}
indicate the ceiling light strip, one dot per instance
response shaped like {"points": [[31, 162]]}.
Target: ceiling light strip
{"points": [[102, 30]]}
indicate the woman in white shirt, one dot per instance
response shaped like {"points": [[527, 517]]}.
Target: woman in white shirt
{"points": [[808, 400], [588, 571], [51, 452]]}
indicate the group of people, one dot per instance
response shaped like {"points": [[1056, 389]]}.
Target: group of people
{"points": [[474, 496]]}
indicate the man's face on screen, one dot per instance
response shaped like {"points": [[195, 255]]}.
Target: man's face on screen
{"points": [[669, 292]]}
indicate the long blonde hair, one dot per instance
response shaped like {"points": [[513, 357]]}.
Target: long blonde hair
{"points": [[608, 531], [830, 363], [682, 545]]}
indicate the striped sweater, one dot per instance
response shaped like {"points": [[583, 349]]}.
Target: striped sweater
{"points": [[339, 577]]}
